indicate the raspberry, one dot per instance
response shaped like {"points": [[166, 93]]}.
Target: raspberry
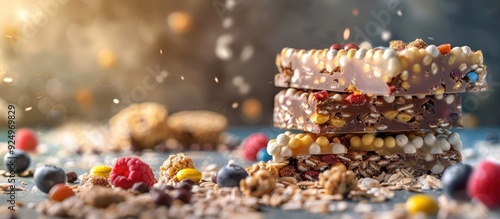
{"points": [[130, 170], [252, 144], [330, 159]]}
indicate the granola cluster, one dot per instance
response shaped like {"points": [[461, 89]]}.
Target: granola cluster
{"points": [[338, 181], [258, 184], [172, 165]]}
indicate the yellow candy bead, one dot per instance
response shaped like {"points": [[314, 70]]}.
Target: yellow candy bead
{"points": [[101, 170], [189, 173], [378, 142], [390, 142], [322, 141], [367, 139], [294, 143], [422, 203], [306, 141], [355, 141], [299, 136]]}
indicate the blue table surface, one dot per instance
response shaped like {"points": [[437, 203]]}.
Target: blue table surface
{"points": [[469, 138]]}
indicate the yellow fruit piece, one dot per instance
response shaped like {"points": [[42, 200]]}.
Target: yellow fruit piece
{"points": [[319, 118], [189, 173], [322, 141], [367, 139], [101, 170], [422, 203], [355, 141], [404, 117], [294, 143], [391, 114], [337, 123]]}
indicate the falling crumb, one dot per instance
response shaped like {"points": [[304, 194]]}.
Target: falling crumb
{"points": [[182, 78], [8, 80], [161, 52], [216, 80], [28, 108], [347, 33], [9, 36], [234, 105], [116, 101], [400, 13], [430, 38], [386, 35], [355, 12]]}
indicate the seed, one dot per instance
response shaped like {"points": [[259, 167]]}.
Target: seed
{"points": [[391, 114], [337, 123], [404, 117], [319, 118]]}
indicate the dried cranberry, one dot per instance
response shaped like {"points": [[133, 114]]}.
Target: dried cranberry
{"points": [[330, 159], [311, 175], [336, 46], [214, 178], [71, 177], [140, 187], [159, 197], [321, 95], [456, 74], [430, 107], [287, 171], [183, 195], [351, 46], [356, 98]]}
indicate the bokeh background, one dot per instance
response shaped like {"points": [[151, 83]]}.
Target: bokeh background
{"points": [[64, 60]]}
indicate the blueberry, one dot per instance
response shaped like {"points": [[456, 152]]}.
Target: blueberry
{"points": [[262, 155], [17, 162], [47, 176], [455, 180], [230, 175]]}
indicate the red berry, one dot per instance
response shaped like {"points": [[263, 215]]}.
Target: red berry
{"points": [[321, 95], [330, 159], [26, 140], [483, 184], [252, 145], [350, 46], [130, 170], [356, 98], [335, 47]]}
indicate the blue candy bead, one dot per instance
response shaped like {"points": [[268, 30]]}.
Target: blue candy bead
{"points": [[472, 76], [262, 155]]}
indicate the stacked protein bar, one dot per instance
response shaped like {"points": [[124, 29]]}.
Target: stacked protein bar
{"points": [[373, 109]]}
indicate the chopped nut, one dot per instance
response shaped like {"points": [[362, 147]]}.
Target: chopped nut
{"points": [[419, 43], [260, 183], [172, 165], [338, 181], [397, 44]]}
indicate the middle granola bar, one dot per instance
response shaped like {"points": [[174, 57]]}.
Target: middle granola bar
{"points": [[323, 112]]}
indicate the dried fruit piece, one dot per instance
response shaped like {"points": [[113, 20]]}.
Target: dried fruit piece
{"points": [[336, 46], [355, 99], [321, 95], [444, 48], [60, 192], [319, 118], [349, 46]]}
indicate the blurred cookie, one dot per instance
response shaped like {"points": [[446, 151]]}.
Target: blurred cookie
{"points": [[139, 126], [197, 127]]}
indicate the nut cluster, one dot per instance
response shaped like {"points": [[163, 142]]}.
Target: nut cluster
{"points": [[172, 165], [258, 184], [338, 181]]}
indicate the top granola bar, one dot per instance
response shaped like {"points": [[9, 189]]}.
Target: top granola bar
{"points": [[402, 69]]}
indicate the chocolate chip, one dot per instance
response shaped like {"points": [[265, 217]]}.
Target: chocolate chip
{"points": [[182, 195], [140, 187], [160, 198], [186, 184], [71, 177]]}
